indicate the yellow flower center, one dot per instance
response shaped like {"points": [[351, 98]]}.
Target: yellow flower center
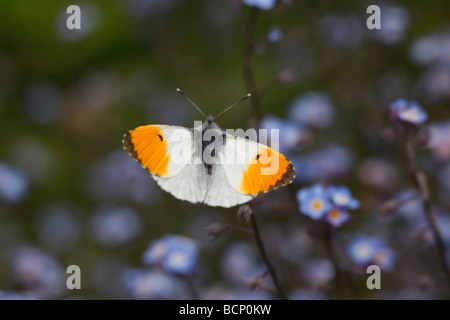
{"points": [[380, 257], [317, 204], [178, 258], [334, 213], [411, 114], [363, 250], [341, 199]]}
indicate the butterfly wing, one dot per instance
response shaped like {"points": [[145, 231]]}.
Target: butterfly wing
{"points": [[252, 168], [168, 152], [220, 193], [242, 168]]}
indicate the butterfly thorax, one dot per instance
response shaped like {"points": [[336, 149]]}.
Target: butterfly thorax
{"points": [[210, 140]]}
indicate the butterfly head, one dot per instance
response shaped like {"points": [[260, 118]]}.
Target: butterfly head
{"points": [[209, 123], [210, 119]]}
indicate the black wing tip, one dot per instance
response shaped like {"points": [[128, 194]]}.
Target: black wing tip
{"points": [[127, 143], [128, 146], [287, 177]]}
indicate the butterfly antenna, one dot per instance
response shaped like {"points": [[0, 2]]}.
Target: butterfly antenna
{"points": [[234, 104], [187, 98]]}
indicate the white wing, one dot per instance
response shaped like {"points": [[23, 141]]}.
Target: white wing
{"points": [[227, 174], [220, 193], [252, 168], [168, 152]]}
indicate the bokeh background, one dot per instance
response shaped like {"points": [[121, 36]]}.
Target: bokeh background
{"points": [[70, 195]]}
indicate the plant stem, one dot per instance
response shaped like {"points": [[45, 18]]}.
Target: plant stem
{"points": [[391, 205], [266, 259], [338, 284], [239, 229], [420, 180], [250, 84], [190, 287], [247, 71]]}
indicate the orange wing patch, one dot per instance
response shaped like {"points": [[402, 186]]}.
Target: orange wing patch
{"points": [[148, 146], [261, 176]]}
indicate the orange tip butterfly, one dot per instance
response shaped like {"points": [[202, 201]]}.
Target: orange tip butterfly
{"points": [[206, 165]]}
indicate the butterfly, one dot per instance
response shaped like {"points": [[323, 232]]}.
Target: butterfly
{"points": [[206, 165]]}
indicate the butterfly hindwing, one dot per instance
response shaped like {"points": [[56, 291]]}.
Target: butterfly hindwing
{"points": [[252, 168]]}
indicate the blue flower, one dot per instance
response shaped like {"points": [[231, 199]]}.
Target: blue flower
{"points": [[318, 273], [37, 270], [314, 201], [155, 252], [413, 114], [239, 264], [11, 295], [114, 226], [181, 258], [439, 142], [174, 254], [384, 257], [324, 164], [443, 222], [327, 204], [364, 250], [313, 109], [290, 133], [341, 30], [342, 197], [377, 173], [398, 104], [431, 49], [395, 23], [14, 184], [274, 35], [146, 284], [407, 112], [337, 217], [58, 227], [261, 4]]}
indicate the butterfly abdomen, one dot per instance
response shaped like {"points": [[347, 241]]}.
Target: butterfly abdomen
{"points": [[212, 141]]}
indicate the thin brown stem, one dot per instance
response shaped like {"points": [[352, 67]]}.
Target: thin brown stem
{"points": [[241, 230], [266, 259], [391, 206], [247, 70], [189, 283], [267, 86], [249, 24], [338, 280], [420, 180]]}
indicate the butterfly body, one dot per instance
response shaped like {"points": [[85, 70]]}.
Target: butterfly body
{"points": [[209, 124], [206, 165]]}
